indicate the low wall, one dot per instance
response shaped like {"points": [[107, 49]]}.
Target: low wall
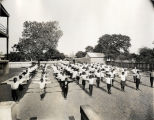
{"points": [[28, 64], [19, 64]]}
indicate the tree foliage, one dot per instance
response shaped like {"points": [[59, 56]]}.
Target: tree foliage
{"points": [[146, 55], [54, 54], [89, 49], [80, 54], [113, 45], [38, 37], [16, 56]]}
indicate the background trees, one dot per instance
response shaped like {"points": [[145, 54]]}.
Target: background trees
{"points": [[89, 49], [80, 54], [146, 55], [37, 38], [113, 45]]}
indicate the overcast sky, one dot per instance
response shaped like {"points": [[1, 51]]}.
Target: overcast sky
{"points": [[84, 21]]}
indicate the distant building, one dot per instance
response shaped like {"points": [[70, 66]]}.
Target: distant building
{"points": [[92, 58], [96, 57]]}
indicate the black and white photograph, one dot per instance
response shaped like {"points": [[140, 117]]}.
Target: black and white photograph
{"points": [[76, 59]]}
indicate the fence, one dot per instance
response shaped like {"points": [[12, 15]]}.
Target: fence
{"points": [[141, 66]]}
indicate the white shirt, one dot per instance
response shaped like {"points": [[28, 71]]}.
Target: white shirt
{"points": [[74, 74], [91, 81], [98, 74], [123, 78], [42, 85], [108, 80], [15, 86], [152, 74], [84, 77]]}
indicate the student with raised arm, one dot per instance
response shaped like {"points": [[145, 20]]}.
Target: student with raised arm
{"points": [[65, 87], [14, 87]]}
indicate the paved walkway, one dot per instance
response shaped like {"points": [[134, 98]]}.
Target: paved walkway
{"points": [[129, 105]]}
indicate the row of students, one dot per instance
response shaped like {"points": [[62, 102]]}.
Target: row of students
{"points": [[18, 81], [43, 82], [108, 70], [62, 78], [98, 72]]}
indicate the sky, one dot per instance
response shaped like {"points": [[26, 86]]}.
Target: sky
{"points": [[84, 21]]}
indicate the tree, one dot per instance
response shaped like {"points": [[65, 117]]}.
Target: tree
{"points": [[54, 54], [38, 37], [89, 49], [80, 54], [113, 45], [16, 56], [146, 55]]}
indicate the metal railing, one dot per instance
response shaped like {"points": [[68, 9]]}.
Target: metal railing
{"points": [[3, 29]]}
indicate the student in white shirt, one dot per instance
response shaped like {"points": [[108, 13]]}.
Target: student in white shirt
{"points": [[91, 82], [98, 78], [84, 77], [102, 74], [112, 76], [123, 80], [14, 87], [134, 74], [108, 82], [42, 84], [66, 86], [78, 77]]}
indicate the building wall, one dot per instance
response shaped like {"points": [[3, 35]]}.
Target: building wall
{"points": [[97, 60], [82, 60]]}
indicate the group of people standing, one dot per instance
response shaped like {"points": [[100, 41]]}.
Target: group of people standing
{"points": [[19, 81], [93, 73]]}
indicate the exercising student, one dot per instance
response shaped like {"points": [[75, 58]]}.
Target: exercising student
{"points": [[108, 81], [151, 77], [138, 78], [123, 79], [14, 87]]}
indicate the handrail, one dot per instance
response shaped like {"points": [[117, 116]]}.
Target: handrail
{"points": [[3, 29]]}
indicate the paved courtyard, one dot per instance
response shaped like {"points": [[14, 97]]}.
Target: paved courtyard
{"points": [[128, 105]]}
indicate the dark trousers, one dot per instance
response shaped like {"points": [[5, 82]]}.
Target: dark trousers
{"points": [[77, 78], [122, 85], [151, 81], [90, 90], [137, 83], [14, 95], [83, 84], [102, 79], [109, 88], [98, 82], [65, 92], [112, 81], [134, 77]]}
